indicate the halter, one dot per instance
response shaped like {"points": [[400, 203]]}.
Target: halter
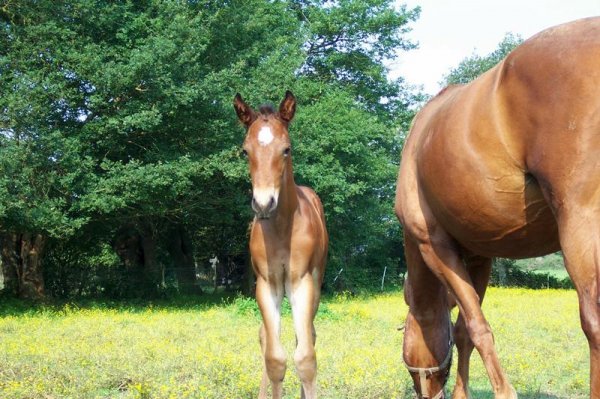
{"points": [[426, 372]]}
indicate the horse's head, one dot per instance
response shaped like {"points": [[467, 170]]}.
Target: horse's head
{"points": [[429, 373], [267, 146]]}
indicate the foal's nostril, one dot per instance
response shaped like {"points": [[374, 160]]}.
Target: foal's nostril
{"points": [[264, 208], [271, 203]]}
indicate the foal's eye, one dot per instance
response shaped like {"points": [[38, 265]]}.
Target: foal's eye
{"points": [[287, 151], [244, 152]]}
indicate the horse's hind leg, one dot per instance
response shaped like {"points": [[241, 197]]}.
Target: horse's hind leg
{"points": [[479, 269], [580, 242]]}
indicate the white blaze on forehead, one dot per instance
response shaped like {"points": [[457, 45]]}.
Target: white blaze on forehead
{"points": [[265, 136]]}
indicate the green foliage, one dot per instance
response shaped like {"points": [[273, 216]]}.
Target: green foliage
{"points": [[116, 118], [552, 264], [507, 273], [348, 42], [475, 65]]}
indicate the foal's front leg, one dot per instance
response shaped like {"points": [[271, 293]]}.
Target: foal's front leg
{"points": [[269, 295], [304, 297]]}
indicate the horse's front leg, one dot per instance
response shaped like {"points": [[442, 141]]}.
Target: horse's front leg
{"points": [[269, 295], [442, 256], [479, 269], [304, 297]]}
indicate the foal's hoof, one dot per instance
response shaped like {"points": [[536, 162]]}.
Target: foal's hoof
{"points": [[461, 395], [511, 395]]}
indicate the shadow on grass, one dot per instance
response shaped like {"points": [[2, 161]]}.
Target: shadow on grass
{"points": [[485, 394], [10, 306], [19, 307]]}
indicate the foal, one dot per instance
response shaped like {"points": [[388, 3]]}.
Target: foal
{"points": [[288, 243]]}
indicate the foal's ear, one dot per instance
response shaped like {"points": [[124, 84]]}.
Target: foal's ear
{"points": [[287, 108], [245, 114]]}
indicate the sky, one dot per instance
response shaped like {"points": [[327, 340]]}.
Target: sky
{"points": [[450, 30]]}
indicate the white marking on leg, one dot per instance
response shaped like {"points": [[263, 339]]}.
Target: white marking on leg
{"points": [[265, 136], [304, 356], [276, 311]]}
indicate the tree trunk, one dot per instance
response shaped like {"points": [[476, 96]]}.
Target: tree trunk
{"points": [[10, 264], [502, 268], [153, 270], [180, 249], [22, 264], [127, 247], [137, 248]]}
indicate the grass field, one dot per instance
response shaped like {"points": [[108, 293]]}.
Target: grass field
{"points": [[204, 350]]}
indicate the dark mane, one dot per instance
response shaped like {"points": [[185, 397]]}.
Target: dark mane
{"points": [[266, 110]]}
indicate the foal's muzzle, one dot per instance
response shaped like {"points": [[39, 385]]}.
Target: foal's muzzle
{"points": [[264, 209]]}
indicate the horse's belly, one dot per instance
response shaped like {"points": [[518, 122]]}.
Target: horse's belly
{"points": [[502, 215]]}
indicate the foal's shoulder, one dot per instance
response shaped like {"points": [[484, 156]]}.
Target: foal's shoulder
{"points": [[309, 195]]}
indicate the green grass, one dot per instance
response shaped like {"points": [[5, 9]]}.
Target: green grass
{"points": [[550, 264], [210, 349]]}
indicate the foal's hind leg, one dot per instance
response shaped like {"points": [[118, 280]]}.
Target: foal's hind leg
{"points": [[479, 269]]}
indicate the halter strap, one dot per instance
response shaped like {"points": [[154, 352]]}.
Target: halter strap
{"points": [[426, 372]]}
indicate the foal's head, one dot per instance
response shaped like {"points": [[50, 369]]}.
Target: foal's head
{"points": [[267, 146]]}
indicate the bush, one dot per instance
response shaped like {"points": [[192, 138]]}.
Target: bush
{"points": [[505, 273]]}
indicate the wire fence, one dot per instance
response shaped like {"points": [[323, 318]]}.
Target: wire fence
{"points": [[236, 276]]}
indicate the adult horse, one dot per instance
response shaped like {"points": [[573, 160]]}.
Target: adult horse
{"points": [[507, 165], [288, 243]]}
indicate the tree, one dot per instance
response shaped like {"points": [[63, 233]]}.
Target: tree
{"points": [[119, 148], [474, 65]]}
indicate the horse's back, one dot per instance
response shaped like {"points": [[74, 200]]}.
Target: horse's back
{"points": [[483, 158]]}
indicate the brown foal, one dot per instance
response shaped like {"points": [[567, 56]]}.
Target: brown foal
{"points": [[288, 244], [507, 165]]}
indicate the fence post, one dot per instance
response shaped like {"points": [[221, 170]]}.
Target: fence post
{"points": [[383, 278], [340, 272]]}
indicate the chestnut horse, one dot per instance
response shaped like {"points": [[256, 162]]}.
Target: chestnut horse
{"points": [[507, 165], [288, 244]]}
